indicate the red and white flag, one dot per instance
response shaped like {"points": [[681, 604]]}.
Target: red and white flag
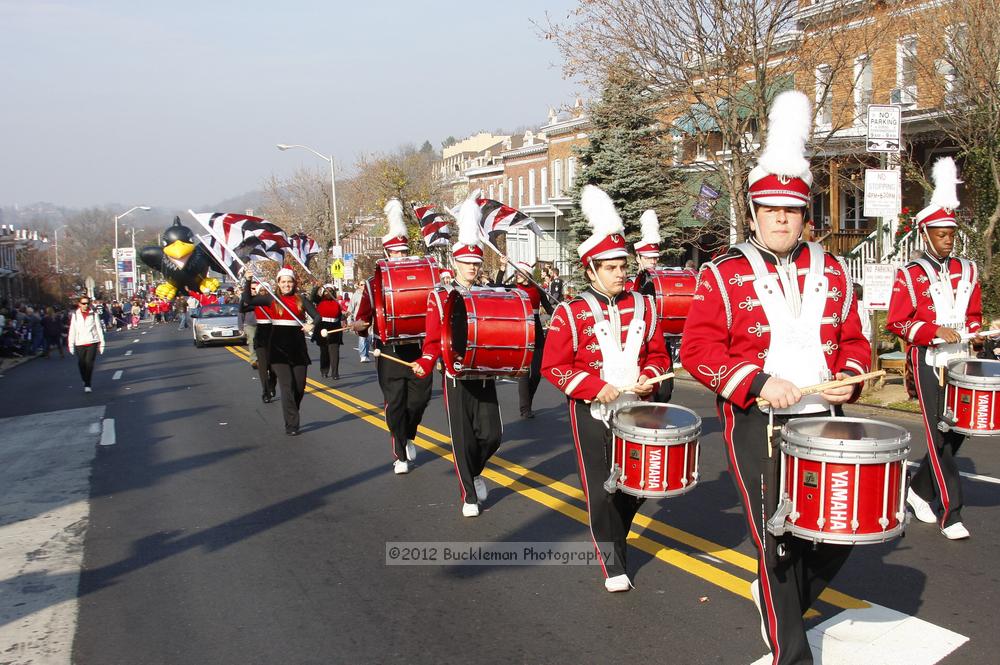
{"points": [[433, 225], [498, 218]]}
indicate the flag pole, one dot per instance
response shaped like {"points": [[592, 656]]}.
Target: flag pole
{"points": [[247, 269], [215, 255]]}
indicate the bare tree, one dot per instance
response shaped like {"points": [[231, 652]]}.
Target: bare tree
{"points": [[715, 65], [960, 64]]}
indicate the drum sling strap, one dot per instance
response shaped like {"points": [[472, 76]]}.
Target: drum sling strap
{"points": [[620, 364]]}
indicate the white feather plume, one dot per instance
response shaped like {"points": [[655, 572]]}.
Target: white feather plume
{"points": [[394, 215], [469, 216], [600, 211], [945, 177], [788, 129], [649, 225]]}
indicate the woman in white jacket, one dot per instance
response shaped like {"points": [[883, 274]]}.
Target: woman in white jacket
{"points": [[86, 339]]}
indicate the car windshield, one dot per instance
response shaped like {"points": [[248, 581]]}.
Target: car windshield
{"points": [[217, 311]]}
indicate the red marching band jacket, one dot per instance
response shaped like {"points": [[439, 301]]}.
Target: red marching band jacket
{"points": [[726, 336], [329, 310], [366, 308], [431, 350], [280, 316], [911, 309], [572, 360]]}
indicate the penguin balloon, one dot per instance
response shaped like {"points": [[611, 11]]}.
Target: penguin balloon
{"points": [[182, 261]]}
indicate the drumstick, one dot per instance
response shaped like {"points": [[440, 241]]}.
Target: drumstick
{"points": [[651, 382], [965, 337], [325, 332], [380, 354], [820, 387]]}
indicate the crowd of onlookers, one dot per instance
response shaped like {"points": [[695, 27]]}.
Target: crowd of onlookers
{"points": [[29, 329]]}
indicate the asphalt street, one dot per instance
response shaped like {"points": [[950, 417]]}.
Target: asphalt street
{"points": [[214, 538]]}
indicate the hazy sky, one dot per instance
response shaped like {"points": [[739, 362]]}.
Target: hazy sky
{"points": [[172, 102]]}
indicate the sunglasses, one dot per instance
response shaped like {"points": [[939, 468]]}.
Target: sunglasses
{"points": [[85, 303]]}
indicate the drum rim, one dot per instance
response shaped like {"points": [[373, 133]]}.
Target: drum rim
{"points": [[379, 290], [962, 380], [463, 366], [846, 538], [679, 435], [837, 448]]}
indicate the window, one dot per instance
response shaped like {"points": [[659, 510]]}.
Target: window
{"points": [[852, 201], [520, 191], [531, 187], [500, 198], [570, 171], [863, 88], [824, 97], [701, 149], [510, 191], [676, 154], [491, 192], [557, 178], [545, 185], [955, 37], [906, 70]]}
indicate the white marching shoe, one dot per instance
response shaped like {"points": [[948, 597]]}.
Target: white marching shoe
{"points": [[411, 451], [399, 467], [755, 594], [956, 531], [470, 510], [87, 389], [617, 583], [481, 490], [921, 509]]}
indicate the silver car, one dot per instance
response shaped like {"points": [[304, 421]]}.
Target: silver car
{"points": [[217, 323]]}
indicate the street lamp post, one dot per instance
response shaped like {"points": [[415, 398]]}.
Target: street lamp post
{"points": [[333, 186], [56, 234], [115, 258]]}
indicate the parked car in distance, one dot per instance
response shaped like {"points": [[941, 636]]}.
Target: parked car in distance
{"points": [[217, 323]]}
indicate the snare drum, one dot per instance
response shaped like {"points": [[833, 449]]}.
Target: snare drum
{"points": [[842, 480], [654, 450], [970, 397], [400, 290], [488, 334], [673, 291]]}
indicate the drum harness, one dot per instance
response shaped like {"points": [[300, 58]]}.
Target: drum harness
{"points": [[949, 307], [621, 364]]}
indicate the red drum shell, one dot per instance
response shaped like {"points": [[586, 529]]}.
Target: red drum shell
{"points": [[400, 290], [971, 397], [655, 446], [488, 334], [852, 472], [673, 291]]}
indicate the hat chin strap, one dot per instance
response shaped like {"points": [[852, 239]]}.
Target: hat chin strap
{"points": [[597, 278]]}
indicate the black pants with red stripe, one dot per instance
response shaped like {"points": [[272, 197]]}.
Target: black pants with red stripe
{"points": [[476, 428], [793, 572], [527, 386], [938, 475], [610, 515], [406, 396]]}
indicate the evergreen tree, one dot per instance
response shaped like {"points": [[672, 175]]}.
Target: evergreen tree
{"points": [[629, 157]]}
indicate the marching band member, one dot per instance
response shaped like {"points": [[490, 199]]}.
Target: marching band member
{"points": [[937, 296], [261, 344], [647, 250], [647, 255], [600, 342], [287, 352], [331, 318], [527, 386], [471, 404], [770, 316], [447, 277], [405, 396]]}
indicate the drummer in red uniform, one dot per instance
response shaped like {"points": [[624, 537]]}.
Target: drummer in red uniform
{"points": [[604, 340], [405, 395], [471, 404], [772, 315], [647, 250], [528, 385], [937, 296]]}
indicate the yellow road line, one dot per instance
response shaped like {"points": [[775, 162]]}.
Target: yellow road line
{"points": [[373, 415]]}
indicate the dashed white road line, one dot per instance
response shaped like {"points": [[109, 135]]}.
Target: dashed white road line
{"points": [[117, 375], [135, 340], [108, 432], [144, 332], [129, 352]]}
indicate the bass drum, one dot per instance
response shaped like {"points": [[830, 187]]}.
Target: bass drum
{"points": [[488, 333], [673, 291], [400, 290]]}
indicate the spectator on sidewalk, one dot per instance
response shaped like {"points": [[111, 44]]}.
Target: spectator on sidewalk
{"points": [[52, 332]]}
